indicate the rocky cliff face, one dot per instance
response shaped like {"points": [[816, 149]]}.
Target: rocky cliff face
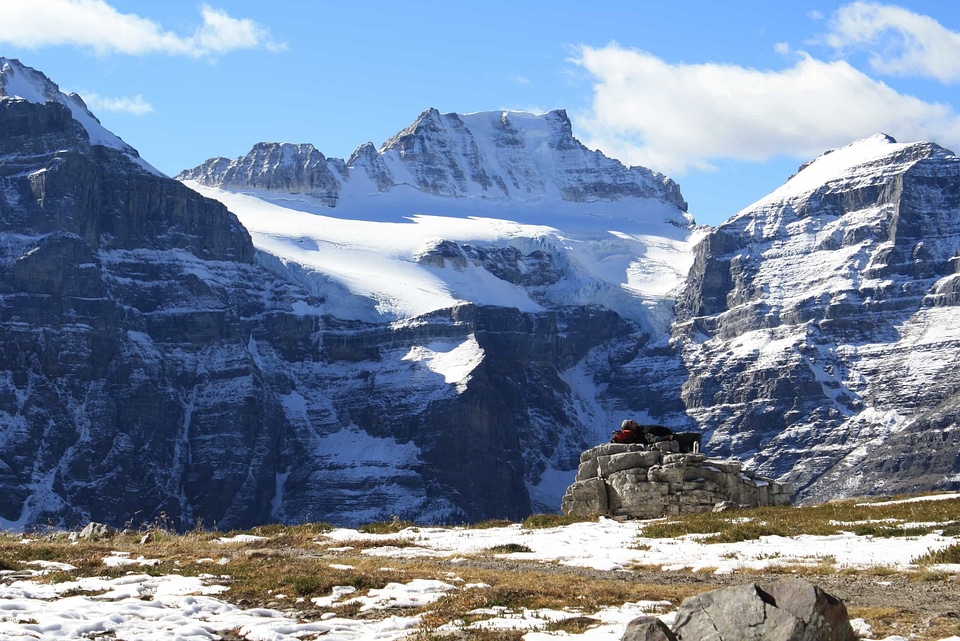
{"points": [[154, 364], [818, 325], [120, 292]]}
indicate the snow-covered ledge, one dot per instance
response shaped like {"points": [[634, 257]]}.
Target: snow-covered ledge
{"points": [[637, 481]]}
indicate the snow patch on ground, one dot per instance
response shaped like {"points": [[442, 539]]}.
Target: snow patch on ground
{"points": [[173, 606]]}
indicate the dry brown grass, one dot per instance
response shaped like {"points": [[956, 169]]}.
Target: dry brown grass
{"points": [[292, 563], [888, 621], [534, 590], [296, 561], [885, 620], [540, 521], [859, 517], [944, 626]]}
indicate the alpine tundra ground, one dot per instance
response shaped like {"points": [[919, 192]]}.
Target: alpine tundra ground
{"points": [[896, 565]]}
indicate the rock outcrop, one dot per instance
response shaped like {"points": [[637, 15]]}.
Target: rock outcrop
{"points": [[650, 481], [647, 628]]}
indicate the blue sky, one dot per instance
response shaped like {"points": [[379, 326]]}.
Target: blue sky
{"points": [[727, 100]]}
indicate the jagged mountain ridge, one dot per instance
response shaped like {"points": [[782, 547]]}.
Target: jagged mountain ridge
{"points": [[605, 234], [21, 83], [494, 155]]}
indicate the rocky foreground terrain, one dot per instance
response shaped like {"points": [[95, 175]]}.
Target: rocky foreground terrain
{"points": [[894, 565]]}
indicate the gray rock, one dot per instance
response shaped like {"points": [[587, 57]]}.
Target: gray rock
{"points": [[666, 447], [607, 465], [648, 629], [588, 469], [726, 506], [586, 498], [608, 449], [784, 610], [95, 531], [684, 460], [629, 480]]}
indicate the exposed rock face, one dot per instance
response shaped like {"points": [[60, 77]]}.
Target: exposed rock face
{"points": [[112, 304], [281, 167], [650, 481], [491, 155], [152, 366], [817, 325], [528, 407], [784, 610], [648, 628]]}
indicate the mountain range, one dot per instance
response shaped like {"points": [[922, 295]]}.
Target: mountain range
{"points": [[436, 328]]}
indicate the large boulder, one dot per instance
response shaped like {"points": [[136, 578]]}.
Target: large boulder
{"points": [[648, 629], [785, 610]]}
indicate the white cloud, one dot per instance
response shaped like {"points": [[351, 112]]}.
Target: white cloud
{"points": [[673, 117], [97, 103], [900, 42], [96, 25]]}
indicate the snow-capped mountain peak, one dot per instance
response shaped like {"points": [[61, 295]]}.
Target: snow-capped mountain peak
{"points": [[504, 154], [467, 182], [20, 82], [866, 160], [494, 156], [841, 287]]}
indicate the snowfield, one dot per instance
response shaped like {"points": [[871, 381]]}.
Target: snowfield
{"points": [[366, 256]]}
